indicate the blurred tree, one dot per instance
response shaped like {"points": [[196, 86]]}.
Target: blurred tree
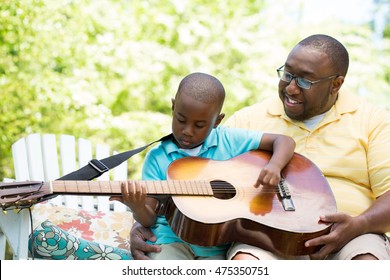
{"points": [[106, 70]]}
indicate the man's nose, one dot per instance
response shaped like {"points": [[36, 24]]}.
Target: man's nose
{"points": [[292, 87]]}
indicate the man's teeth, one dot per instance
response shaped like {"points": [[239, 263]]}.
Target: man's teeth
{"points": [[292, 101]]}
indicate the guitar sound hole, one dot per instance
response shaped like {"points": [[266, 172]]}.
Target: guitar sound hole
{"points": [[222, 189]]}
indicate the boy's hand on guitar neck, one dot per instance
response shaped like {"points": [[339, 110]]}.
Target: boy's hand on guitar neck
{"points": [[133, 195]]}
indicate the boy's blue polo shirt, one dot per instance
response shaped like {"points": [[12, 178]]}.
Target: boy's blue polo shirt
{"points": [[222, 144]]}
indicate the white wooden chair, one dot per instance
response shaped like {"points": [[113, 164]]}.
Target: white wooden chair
{"points": [[36, 157]]}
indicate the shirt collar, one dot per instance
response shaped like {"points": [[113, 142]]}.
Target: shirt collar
{"points": [[212, 140], [345, 103]]}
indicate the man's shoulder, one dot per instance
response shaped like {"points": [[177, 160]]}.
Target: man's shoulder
{"points": [[260, 106], [349, 102], [253, 116]]}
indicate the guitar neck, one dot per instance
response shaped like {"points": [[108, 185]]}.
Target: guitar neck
{"points": [[170, 187]]}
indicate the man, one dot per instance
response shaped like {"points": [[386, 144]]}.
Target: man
{"points": [[345, 136]]}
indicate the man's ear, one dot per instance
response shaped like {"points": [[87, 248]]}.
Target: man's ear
{"points": [[173, 103], [219, 119], [337, 83]]}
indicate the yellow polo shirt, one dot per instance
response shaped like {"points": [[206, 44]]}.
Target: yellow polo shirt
{"points": [[351, 145]]}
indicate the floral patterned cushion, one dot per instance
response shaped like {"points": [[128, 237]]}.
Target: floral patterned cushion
{"points": [[51, 242], [86, 228]]}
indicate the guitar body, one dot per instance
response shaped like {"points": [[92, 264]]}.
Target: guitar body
{"points": [[247, 214], [214, 202]]}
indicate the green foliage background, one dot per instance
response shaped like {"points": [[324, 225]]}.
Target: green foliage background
{"points": [[106, 70]]}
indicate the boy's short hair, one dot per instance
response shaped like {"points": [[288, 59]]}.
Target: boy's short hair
{"points": [[202, 87]]}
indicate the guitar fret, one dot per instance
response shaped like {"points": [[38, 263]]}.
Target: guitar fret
{"points": [[189, 187], [154, 186], [169, 185], [151, 188], [160, 188], [89, 187], [183, 189], [186, 187], [199, 187], [204, 188], [193, 188], [177, 186], [180, 190], [147, 186], [71, 187], [173, 190], [94, 187], [208, 188], [104, 187], [164, 187], [83, 186], [109, 186]]}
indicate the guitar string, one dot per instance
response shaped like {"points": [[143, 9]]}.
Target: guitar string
{"points": [[217, 187], [227, 188]]}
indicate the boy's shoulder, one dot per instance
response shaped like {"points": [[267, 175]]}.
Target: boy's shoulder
{"points": [[162, 149]]}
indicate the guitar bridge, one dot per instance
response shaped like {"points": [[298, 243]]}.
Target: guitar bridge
{"points": [[285, 195]]}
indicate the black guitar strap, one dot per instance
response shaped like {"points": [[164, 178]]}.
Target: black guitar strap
{"points": [[96, 167]]}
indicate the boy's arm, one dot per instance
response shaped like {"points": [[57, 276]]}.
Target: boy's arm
{"points": [[282, 147], [145, 216]]}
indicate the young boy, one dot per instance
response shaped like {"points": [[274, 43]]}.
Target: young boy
{"points": [[196, 112]]}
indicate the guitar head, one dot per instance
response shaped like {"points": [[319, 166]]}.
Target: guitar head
{"points": [[23, 194]]}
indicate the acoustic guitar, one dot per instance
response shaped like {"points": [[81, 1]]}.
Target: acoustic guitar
{"points": [[209, 202]]}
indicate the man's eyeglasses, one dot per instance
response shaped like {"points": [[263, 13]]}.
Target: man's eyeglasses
{"points": [[301, 82]]}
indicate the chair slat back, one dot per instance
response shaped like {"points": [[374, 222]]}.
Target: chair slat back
{"points": [[37, 157], [51, 165]]}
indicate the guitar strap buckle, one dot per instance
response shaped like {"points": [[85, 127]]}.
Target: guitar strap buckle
{"points": [[98, 166]]}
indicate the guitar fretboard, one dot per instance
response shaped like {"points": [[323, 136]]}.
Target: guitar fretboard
{"points": [[171, 187]]}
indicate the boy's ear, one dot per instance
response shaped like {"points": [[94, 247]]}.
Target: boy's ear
{"points": [[219, 119]]}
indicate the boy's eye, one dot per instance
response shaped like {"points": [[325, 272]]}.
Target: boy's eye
{"points": [[180, 120], [199, 126]]}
